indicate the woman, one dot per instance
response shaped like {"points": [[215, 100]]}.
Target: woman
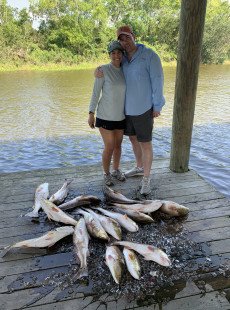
{"points": [[108, 98]]}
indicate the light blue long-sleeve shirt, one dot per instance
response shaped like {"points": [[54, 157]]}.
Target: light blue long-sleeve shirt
{"points": [[144, 82]]}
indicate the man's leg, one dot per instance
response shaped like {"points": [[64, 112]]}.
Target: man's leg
{"points": [[137, 151], [147, 157]]}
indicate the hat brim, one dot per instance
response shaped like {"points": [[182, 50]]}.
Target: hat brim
{"points": [[117, 48], [125, 33]]}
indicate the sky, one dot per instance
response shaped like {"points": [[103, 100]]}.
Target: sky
{"points": [[25, 3], [18, 3]]}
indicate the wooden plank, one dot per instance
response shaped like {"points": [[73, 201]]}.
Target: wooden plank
{"points": [[14, 281], [213, 298], [219, 246], [157, 163], [188, 291], [50, 299], [158, 178], [19, 209], [23, 298], [193, 215], [161, 193], [158, 175], [211, 235], [164, 183], [25, 226], [45, 262], [196, 215], [42, 262], [207, 214], [211, 301], [12, 234], [206, 224], [29, 196], [201, 205]]}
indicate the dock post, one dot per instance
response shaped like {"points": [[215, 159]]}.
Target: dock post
{"points": [[192, 19]]}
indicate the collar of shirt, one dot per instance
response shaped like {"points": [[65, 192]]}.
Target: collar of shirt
{"points": [[135, 55]]}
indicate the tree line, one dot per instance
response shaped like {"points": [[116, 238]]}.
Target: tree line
{"points": [[73, 31]]}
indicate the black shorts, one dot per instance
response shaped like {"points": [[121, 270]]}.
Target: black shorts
{"points": [[140, 126], [110, 125]]}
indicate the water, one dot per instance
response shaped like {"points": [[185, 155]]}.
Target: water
{"points": [[44, 115]]}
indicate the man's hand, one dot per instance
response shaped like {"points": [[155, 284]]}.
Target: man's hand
{"points": [[98, 73], [91, 120], [156, 114]]}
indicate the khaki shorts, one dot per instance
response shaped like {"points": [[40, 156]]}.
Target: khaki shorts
{"points": [[140, 126]]}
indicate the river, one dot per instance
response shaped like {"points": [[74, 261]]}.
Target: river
{"points": [[44, 115]]}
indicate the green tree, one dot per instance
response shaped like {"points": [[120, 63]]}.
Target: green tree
{"points": [[73, 30], [80, 26], [216, 41]]}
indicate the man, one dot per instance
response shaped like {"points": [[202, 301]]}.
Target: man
{"points": [[143, 102]]}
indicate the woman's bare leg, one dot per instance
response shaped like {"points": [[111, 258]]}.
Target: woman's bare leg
{"points": [[118, 137], [108, 139]]}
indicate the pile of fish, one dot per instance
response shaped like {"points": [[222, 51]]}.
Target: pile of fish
{"points": [[102, 223]]}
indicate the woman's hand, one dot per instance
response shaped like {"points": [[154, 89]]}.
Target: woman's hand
{"points": [[91, 120]]}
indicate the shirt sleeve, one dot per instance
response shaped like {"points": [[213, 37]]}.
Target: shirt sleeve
{"points": [[97, 88], [157, 82]]}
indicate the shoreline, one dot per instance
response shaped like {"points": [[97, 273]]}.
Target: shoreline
{"points": [[62, 67], [83, 66]]}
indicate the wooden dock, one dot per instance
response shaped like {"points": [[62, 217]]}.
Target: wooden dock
{"points": [[25, 277]]}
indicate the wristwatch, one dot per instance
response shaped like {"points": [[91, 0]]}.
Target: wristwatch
{"points": [[90, 112]]}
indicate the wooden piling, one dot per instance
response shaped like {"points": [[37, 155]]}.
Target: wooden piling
{"points": [[190, 40]]}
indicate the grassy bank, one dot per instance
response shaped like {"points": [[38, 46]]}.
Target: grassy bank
{"points": [[60, 66], [49, 66], [64, 67]]}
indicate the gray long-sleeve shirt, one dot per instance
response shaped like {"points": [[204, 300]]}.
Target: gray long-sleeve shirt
{"points": [[108, 95]]}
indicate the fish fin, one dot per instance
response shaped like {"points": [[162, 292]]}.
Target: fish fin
{"points": [[5, 251], [82, 272], [128, 247], [32, 214], [51, 198], [148, 256], [49, 216], [50, 245], [68, 181]]}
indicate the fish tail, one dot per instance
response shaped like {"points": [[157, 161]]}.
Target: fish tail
{"points": [[82, 272], [5, 251], [32, 214]]}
